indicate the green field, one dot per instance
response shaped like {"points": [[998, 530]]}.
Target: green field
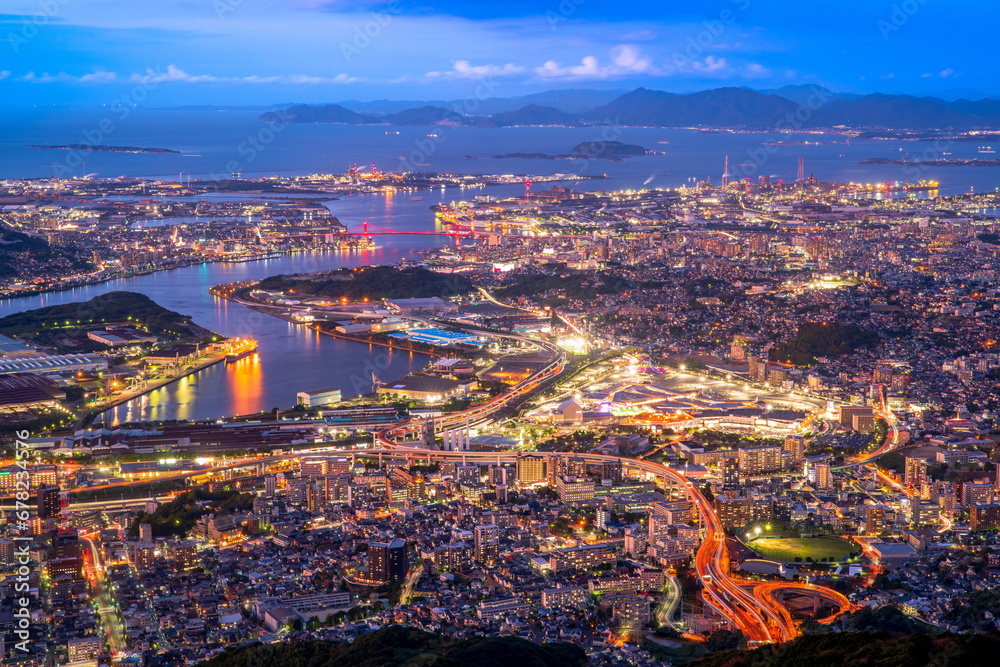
{"points": [[788, 549]]}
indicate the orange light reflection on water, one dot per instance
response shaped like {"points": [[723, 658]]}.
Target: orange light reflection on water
{"points": [[246, 384]]}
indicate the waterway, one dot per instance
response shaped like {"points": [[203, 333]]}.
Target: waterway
{"points": [[291, 357]]}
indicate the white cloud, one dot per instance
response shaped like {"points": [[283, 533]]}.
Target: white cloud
{"points": [[710, 65], [463, 69], [756, 71], [626, 59], [4, 74], [946, 73], [926, 75]]}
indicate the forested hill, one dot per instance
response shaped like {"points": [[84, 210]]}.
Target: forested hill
{"points": [[870, 649], [374, 282], [396, 646], [128, 308]]}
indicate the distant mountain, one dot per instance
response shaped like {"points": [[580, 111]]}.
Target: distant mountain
{"points": [[426, 115], [719, 108], [898, 111], [534, 114], [383, 107], [723, 107], [804, 94], [326, 113], [985, 109], [569, 101]]}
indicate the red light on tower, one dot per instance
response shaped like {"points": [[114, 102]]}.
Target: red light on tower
{"points": [[527, 190]]}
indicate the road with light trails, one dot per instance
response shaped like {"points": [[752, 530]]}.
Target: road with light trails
{"points": [[765, 594], [105, 603], [667, 608]]}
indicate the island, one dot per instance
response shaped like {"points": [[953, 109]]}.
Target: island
{"points": [[615, 151], [102, 148]]}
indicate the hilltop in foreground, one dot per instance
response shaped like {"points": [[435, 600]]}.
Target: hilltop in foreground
{"points": [[398, 646]]}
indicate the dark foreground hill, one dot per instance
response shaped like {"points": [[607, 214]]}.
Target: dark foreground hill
{"points": [[396, 646], [878, 649]]}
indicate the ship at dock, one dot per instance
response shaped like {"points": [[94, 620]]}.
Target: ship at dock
{"points": [[240, 348]]}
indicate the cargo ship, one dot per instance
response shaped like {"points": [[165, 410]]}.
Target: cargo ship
{"points": [[240, 348]]}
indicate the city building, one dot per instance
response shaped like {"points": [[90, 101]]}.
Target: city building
{"points": [[487, 544], [387, 562]]}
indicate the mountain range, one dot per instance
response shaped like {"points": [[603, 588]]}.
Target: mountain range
{"points": [[793, 107]]}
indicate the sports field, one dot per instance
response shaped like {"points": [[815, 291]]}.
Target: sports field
{"points": [[787, 549]]}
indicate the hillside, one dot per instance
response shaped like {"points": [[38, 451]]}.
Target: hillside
{"points": [[427, 115], [26, 255], [130, 308], [396, 646], [815, 339], [723, 107], [876, 649], [326, 113], [376, 282], [534, 114]]}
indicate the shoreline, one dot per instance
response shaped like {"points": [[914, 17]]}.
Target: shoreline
{"points": [[334, 334], [199, 365]]}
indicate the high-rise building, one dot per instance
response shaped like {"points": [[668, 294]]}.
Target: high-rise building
{"points": [[387, 562], [796, 444], [759, 369], [467, 474], [612, 470], [297, 493], [734, 512], [976, 493], [848, 412], [778, 377], [48, 502], [487, 544], [185, 555], [874, 519], [759, 460], [603, 517], [575, 489], [146, 533], [270, 485], [824, 479], [144, 556], [984, 517], [730, 470], [914, 471], [864, 423], [576, 466], [530, 469]]}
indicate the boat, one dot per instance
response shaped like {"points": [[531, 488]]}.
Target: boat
{"points": [[240, 348]]}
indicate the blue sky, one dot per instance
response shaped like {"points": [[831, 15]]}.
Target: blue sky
{"points": [[252, 52]]}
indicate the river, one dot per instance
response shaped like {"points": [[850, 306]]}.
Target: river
{"points": [[291, 358]]}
